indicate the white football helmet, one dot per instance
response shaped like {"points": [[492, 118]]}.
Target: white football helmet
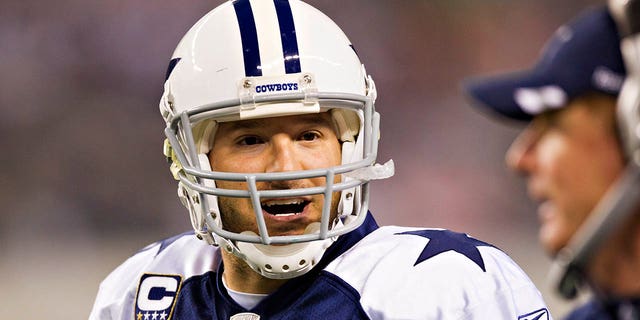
{"points": [[249, 59]]}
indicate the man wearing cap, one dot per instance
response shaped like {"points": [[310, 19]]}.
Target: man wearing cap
{"points": [[575, 161]]}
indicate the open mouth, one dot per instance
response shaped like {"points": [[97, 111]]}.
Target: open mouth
{"points": [[285, 208]]}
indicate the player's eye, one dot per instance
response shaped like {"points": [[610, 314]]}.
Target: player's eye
{"points": [[249, 140], [309, 136]]}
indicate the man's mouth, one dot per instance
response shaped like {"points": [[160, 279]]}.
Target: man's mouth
{"points": [[283, 208]]}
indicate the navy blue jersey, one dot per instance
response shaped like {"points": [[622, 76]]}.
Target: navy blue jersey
{"points": [[371, 273], [610, 310]]}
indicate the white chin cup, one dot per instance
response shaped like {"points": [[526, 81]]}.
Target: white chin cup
{"points": [[283, 261]]}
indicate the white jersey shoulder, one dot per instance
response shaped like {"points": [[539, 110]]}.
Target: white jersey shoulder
{"points": [[180, 257], [405, 273]]}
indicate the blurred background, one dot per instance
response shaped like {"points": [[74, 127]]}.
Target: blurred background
{"points": [[84, 183]]}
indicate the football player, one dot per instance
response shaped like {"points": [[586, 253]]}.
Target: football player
{"points": [[272, 136], [580, 155]]}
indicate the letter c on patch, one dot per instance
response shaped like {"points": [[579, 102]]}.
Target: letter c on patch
{"points": [[168, 287]]}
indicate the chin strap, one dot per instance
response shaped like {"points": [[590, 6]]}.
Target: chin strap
{"points": [[622, 199], [281, 261]]}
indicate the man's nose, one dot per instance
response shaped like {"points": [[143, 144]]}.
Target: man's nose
{"points": [[520, 156], [283, 156]]}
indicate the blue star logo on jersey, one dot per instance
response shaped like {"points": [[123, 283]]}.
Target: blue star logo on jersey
{"points": [[445, 240]]}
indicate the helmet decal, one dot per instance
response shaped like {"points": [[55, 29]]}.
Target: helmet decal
{"points": [[250, 49], [250, 44], [288, 36]]}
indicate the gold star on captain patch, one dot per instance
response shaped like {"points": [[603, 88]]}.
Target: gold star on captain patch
{"points": [[139, 316]]}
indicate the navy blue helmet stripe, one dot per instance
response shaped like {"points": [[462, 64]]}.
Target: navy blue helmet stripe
{"points": [[249, 35], [354, 49], [288, 36], [172, 64]]}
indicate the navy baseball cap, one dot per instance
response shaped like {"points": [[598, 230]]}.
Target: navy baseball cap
{"points": [[582, 56]]}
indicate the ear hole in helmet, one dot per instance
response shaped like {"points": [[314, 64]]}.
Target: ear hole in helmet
{"points": [[345, 207]]}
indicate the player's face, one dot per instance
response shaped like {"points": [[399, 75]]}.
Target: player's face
{"points": [[290, 143], [569, 157]]}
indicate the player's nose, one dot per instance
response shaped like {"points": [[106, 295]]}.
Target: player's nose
{"points": [[282, 155]]}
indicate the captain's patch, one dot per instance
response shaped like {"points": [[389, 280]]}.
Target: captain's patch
{"points": [[156, 296]]}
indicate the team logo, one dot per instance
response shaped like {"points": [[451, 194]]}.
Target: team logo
{"points": [[542, 314], [156, 296], [274, 87]]}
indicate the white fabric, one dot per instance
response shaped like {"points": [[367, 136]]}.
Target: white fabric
{"points": [[187, 257], [379, 267], [446, 286], [246, 300]]}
